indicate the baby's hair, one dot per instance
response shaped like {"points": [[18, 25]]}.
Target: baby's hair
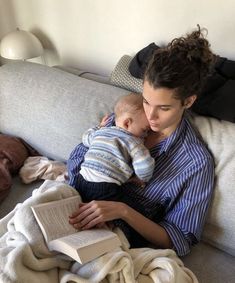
{"points": [[130, 103], [184, 65]]}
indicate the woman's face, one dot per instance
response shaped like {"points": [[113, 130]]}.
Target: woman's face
{"points": [[163, 111]]}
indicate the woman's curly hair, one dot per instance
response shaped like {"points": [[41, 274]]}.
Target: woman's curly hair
{"points": [[183, 65]]}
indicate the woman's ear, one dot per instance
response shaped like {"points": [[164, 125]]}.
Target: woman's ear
{"points": [[189, 101]]}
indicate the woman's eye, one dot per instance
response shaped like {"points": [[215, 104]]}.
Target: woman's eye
{"points": [[165, 109]]}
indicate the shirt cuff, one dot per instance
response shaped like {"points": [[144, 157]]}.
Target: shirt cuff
{"points": [[180, 244]]}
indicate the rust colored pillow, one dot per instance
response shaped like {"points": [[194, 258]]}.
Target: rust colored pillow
{"points": [[13, 152]]}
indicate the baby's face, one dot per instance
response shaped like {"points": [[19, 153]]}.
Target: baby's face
{"points": [[140, 125]]}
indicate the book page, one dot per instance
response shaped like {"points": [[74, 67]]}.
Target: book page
{"points": [[88, 237], [53, 217]]}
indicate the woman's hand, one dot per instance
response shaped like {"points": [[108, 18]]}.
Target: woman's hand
{"points": [[95, 213]]}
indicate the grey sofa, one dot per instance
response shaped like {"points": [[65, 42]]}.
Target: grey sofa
{"points": [[50, 109]]}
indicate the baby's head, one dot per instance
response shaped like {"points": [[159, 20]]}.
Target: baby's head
{"points": [[130, 115]]}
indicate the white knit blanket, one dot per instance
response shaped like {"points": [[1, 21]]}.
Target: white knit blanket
{"points": [[25, 258]]}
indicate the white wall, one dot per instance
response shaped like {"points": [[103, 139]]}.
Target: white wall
{"points": [[94, 34]]}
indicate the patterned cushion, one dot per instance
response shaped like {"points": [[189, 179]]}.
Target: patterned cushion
{"points": [[122, 77]]}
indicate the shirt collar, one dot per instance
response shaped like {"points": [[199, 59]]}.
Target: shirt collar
{"points": [[169, 141]]}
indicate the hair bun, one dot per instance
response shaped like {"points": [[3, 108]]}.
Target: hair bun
{"points": [[194, 47], [194, 54], [184, 64]]}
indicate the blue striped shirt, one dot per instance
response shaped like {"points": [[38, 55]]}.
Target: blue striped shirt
{"points": [[182, 182]]}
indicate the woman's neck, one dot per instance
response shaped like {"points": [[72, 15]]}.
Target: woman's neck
{"points": [[154, 138]]}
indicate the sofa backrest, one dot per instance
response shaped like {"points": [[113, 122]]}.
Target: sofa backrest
{"points": [[50, 108]]}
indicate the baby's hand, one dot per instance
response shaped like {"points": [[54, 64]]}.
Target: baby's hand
{"points": [[137, 181], [104, 120]]}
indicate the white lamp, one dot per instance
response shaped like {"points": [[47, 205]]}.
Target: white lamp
{"points": [[20, 45]]}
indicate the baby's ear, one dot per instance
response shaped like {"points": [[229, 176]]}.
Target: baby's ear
{"points": [[127, 122]]}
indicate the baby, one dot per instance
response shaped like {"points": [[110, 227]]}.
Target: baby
{"points": [[116, 153]]}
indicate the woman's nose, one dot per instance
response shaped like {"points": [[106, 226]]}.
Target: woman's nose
{"points": [[152, 114]]}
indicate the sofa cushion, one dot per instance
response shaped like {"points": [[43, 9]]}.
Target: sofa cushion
{"points": [[220, 223], [50, 108]]}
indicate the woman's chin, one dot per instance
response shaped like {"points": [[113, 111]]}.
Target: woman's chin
{"points": [[155, 128]]}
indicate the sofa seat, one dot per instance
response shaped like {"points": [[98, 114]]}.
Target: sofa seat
{"points": [[18, 193], [210, 264]]}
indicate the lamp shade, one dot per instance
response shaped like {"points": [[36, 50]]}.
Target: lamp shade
{"points": [[20, 45]]}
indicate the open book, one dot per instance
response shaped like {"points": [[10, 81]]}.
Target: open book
{"points": [[82, 246]]}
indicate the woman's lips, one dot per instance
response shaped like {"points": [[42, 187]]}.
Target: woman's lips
{"points": [[153, 125]]}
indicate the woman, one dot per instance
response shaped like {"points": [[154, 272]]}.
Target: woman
{"points": [[184, 173]]}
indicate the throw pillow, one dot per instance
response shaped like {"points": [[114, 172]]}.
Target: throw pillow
{"points": [[122, 77], [13, 152]]}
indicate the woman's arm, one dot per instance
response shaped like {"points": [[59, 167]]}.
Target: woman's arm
{"points": [[96, 212], [74, 163]]}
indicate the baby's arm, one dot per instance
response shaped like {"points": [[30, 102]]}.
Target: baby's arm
{"points": [[87, 137], [142, 162], [89, 134]]}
